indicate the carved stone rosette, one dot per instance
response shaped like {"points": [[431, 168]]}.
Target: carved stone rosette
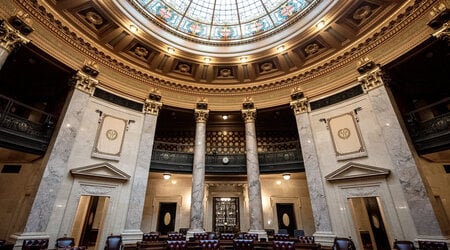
{"points": [[84, 82], [152, 107], [11, 38], [300, 106], [201, 115]]}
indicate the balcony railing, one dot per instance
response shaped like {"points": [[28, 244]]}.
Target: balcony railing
{"points": [[269, 162], [429, 126], [23, 127]]}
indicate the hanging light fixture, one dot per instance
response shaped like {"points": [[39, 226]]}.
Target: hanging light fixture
{"points": [[166, 176]]}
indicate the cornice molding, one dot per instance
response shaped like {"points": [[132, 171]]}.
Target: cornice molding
{"points": [[302, 76]]}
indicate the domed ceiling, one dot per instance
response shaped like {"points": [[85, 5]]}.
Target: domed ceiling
{"points": [[229, 47]]}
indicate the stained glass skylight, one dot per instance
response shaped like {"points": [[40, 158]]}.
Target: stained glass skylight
{"points": [[223, 20]]}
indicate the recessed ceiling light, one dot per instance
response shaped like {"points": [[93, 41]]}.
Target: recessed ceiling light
{"points": [[166, 176], [207, 59], [281, 48], [224, 117], [320, 24], [286, 176], [171, 50], [243, 59], [133, 28]]}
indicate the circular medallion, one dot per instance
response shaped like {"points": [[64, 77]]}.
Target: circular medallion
{"points": [[344, 133], [111, 134]]}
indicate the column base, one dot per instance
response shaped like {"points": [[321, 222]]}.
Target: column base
{"points": [[190, 233], [131, 236], [324, 238], [17, 239], [262, 234]]}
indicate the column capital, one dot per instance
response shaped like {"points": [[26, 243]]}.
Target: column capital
{"points": [[201, 115], [84, 82], [300, 106], [11, 37], [299, 103], [249, 115], [153, 103], [371, 76], [152, 107]]}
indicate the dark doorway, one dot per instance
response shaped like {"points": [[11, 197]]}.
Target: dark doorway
{"points": [[166, 217], [286, 217], [369, 223], [89, 219]]}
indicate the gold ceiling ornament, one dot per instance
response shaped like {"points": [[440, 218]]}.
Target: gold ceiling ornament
{"points": [[363, 60], [25, 17], [296, 90], [202, 99]]}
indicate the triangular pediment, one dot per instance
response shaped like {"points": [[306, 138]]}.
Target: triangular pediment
{"points": [[353, 170], [103, 171]]}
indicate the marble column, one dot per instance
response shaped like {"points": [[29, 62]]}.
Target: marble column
{"points": [[198, 171], [253, 178], [322, 220], [57, 157], [402, 159], [132, 232], [10, 38]]}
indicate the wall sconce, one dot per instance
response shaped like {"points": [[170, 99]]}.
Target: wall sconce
{"points": [[166, 176], [286, 176], [225, 117]]}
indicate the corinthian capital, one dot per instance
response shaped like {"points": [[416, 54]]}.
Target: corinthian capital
{"points": [[371, 76], [152, 107], [249, 115], [300, 106], [84, 82], [201, 115], [10, 37]]}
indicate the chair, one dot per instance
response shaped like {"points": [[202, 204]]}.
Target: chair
{"points": [[113, 242], [298, 233], [283, 245], [432, 245], [403, 245], [183, 230], [65, 242], [243, 244], [35, 244], [250, 236], [212, 236], [227, 236], [176, 236], [152, 236], [283, 231], [200, 236], [306, 240], [209, 244], [177, 245], [342, 243], [280, 237]]}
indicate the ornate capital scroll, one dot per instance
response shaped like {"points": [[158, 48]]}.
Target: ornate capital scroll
{"points": [[152, 107], [10, 37], [201, 115], [248, 110], [299, 103], [300, 106], [249, 115], [84, 82], [153, 103], [371, 76]]}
